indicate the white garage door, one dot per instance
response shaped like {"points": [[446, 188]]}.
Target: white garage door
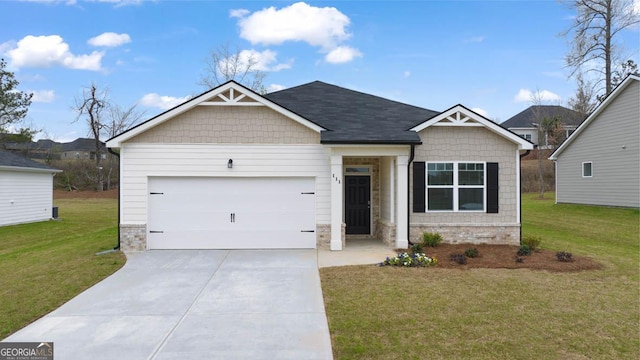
{"points": [[231, 213]]}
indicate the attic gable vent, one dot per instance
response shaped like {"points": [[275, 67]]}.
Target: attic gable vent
{"points": [[229, 97], [457, 119]]}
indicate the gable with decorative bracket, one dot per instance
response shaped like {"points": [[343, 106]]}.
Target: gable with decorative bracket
{"points": [[231, 97]]}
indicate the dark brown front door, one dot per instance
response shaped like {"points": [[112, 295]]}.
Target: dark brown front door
{"points": [[357, 205]]}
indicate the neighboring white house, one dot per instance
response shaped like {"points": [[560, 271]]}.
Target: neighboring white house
{"points": [[26, 190], [315, 165], [526, 122], [599, 164]]}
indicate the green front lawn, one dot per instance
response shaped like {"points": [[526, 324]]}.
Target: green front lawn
{"points": [[425, 313], [43, 265]]}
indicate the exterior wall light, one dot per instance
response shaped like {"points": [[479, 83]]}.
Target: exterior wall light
{"points": [[230, 164]]}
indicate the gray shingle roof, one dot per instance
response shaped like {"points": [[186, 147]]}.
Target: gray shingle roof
{"points": [[82, 144], [351, 116], [532, 114], [9, 159]]}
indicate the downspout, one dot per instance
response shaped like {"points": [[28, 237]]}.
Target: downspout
{"points": [[119, 185], [520, 170], [411, 156]]}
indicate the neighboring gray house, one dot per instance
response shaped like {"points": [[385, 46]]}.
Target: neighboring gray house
{"points": [[26, 190], [315, 165], [82, 148], [78, 149], [599, 164], [525, 122]]}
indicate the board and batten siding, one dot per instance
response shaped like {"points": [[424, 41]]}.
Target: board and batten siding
{"points": [[611, 141], [25, 196], [140, 161]]}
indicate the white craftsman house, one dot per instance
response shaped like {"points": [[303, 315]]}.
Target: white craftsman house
{"points": [[314, 165]]}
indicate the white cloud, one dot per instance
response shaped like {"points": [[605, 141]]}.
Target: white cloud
{"points": [[406, 74], [42, 96], [480, 111], [162, 102], [526, 95], [325, 27], [238, 13], [261, 60], [109, 39], [275, 87], [342, 54], [51, 50]]}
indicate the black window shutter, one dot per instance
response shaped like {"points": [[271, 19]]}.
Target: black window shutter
{"points": [[418, 186], [492, 188]]}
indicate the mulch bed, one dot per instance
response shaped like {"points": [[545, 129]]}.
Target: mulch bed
{"points": [[504, 257]]}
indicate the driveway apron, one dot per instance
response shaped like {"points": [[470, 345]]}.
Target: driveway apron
{"points": [[189, 304]]}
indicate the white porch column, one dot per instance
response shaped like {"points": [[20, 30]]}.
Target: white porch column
{"points": [[402, 215], [336, 202]]}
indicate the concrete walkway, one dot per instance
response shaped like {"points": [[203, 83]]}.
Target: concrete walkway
{"points": [[216, 304], [356, 252]]}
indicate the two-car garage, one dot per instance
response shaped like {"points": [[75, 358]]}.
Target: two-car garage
{"points": [[231, 212]]}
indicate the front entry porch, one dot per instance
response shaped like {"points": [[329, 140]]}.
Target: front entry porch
{"points": [[369, 195]]}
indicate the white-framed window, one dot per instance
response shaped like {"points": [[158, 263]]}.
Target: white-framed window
{"points": [[587, 169], [456, 186], [526, 136]]}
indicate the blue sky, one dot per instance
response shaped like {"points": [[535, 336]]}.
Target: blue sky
{"points": [[487, 55]]}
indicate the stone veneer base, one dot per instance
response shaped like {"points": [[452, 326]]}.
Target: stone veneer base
{"points": [[469, 233], [133, 238]]}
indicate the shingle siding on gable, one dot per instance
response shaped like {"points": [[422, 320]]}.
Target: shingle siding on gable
{"points": [[471, 144], [229, 125], [616, 171]]}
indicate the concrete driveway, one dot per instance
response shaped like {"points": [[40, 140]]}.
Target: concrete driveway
{"points": [[215, 304]]}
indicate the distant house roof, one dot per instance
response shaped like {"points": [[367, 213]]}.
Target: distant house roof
{"points": [[81, 144], [11, 160], [533, 114], [351, 116]]}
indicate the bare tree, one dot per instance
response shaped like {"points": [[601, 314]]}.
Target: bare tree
{"points": [[224, 64], [584, 101], [90, 107], [550, 131], [625, 69], [119, 120], [593, 35]]}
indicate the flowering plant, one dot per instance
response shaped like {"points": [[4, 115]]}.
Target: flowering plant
{"points": [[409, 260]]}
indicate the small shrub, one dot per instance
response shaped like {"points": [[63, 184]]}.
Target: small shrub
{"points": [[533, 242], [416, 248], [564, 256], [413, 260], [459, 258], [431, 239], [519, 259], [524, 250], [471, 252]]}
